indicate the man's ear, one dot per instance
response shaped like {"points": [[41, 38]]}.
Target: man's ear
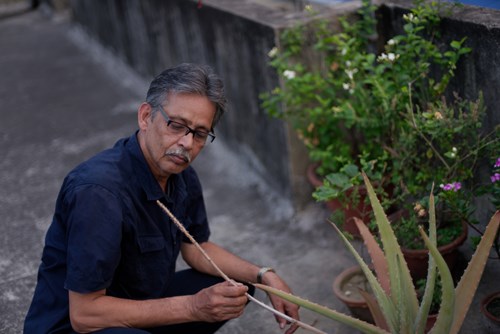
{"points": [[144, 115]]}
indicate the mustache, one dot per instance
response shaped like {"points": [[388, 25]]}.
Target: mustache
{"points": [[180, 152]]}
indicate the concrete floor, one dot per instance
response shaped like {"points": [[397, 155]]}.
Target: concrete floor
{"points": [[63, 99]]}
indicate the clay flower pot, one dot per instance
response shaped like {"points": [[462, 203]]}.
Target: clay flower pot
{"points": [[490, 306], [418, 259], [345, 288]]}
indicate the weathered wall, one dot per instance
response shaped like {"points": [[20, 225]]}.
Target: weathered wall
{"points": [[235, 37], [232, 36]]}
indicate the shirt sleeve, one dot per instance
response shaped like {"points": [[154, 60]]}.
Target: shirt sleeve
{"points": [[94, 231]]}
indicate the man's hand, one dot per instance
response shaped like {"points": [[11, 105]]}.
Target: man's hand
{"points": [[219, 302], [290, 309]]}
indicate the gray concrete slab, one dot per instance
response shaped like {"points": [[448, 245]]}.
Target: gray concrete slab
{"points": [[62, 100]]}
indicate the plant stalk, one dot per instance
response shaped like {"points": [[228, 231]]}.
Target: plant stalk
{"points": [[226, 278]]}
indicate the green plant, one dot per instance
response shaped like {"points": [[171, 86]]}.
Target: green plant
{"points": [[386, 111], [394, 307]]}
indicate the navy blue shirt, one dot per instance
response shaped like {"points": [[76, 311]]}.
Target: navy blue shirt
{"points": [[109, 233]]}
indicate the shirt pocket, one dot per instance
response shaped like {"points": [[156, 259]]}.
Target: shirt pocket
{"points": [[154, 265]]}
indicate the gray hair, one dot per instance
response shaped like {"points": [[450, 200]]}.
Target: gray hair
{"points": [[190, 79]]}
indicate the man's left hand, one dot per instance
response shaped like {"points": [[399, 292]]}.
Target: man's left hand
{"points": [[273, 280]]}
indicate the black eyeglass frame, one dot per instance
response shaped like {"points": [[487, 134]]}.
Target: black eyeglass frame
{"points": [[210, 135]]}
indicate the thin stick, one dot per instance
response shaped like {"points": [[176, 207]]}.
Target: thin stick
{"points": [[226, 278]]}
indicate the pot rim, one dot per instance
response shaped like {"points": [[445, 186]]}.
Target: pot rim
{"points": [[485, 301], [338, 282], [444, 249]]}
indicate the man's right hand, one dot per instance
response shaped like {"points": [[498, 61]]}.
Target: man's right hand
{"points": [[219, 302]]}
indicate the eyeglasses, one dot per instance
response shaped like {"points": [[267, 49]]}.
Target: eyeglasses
{"points": [[178, 129]]}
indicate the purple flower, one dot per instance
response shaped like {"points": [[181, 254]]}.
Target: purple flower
{"points": [[455, 186], [495, 177], [497, 164]]}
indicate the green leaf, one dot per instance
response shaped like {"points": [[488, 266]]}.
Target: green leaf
{"points": [[338, 179], [351, 170], [467, 286], [363, 326]]}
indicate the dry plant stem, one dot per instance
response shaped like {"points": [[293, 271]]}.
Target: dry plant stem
{"points": [[226, 278], [414, 123]]}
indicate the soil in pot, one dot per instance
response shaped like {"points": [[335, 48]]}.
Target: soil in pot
{"points": [[346, 288]]}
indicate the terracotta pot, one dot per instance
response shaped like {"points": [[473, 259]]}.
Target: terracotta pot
{"points": [[362, 210], [487, 307], [418, 259], [345, 288], [349, 280]]}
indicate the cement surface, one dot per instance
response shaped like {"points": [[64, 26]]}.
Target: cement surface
{"points": [[64, 100]]}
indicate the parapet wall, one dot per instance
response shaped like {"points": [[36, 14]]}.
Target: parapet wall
{"points": [[235, 36]]}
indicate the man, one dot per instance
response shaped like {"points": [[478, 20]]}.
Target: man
{"points": [[108, 264]]}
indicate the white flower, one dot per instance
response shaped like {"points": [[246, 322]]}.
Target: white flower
{"points": [[273, 52], [391, 57], [454, 149], [411, 18], [343, 52], [289, 74], [348, 63], [308, 8], [382, 57], [345, 86], [392, 41], [350, 73]]}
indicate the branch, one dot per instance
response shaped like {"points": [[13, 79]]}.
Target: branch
{"points": [[226, 278]]}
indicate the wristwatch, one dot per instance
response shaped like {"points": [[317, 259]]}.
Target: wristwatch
{"points": [[262, 271]]}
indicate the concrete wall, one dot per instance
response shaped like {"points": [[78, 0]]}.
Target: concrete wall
{"points": [[235, 37], [232, 36]]}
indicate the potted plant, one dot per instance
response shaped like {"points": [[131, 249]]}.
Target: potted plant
{"points": [[380, 110], [320, 108], [455, 205], [346, 287], [395, 306]]}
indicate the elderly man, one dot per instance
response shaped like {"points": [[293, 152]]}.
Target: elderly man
{"points": [[108, 264]]}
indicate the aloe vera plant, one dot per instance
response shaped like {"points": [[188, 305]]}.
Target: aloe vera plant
{"points": [[394, 308]]}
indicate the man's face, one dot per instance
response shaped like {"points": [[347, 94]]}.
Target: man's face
{"points": [[166, 151]]}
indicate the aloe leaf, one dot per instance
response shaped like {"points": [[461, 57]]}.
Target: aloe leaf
{"points": [[445, 315], [423, 312], [406, 319], [392, 251], [467, 286], [375, 310], [360, 325], [376, 254], [383, 300]]}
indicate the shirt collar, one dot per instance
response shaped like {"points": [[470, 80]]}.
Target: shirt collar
{"points": [[142, 171], [148, 181]]}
